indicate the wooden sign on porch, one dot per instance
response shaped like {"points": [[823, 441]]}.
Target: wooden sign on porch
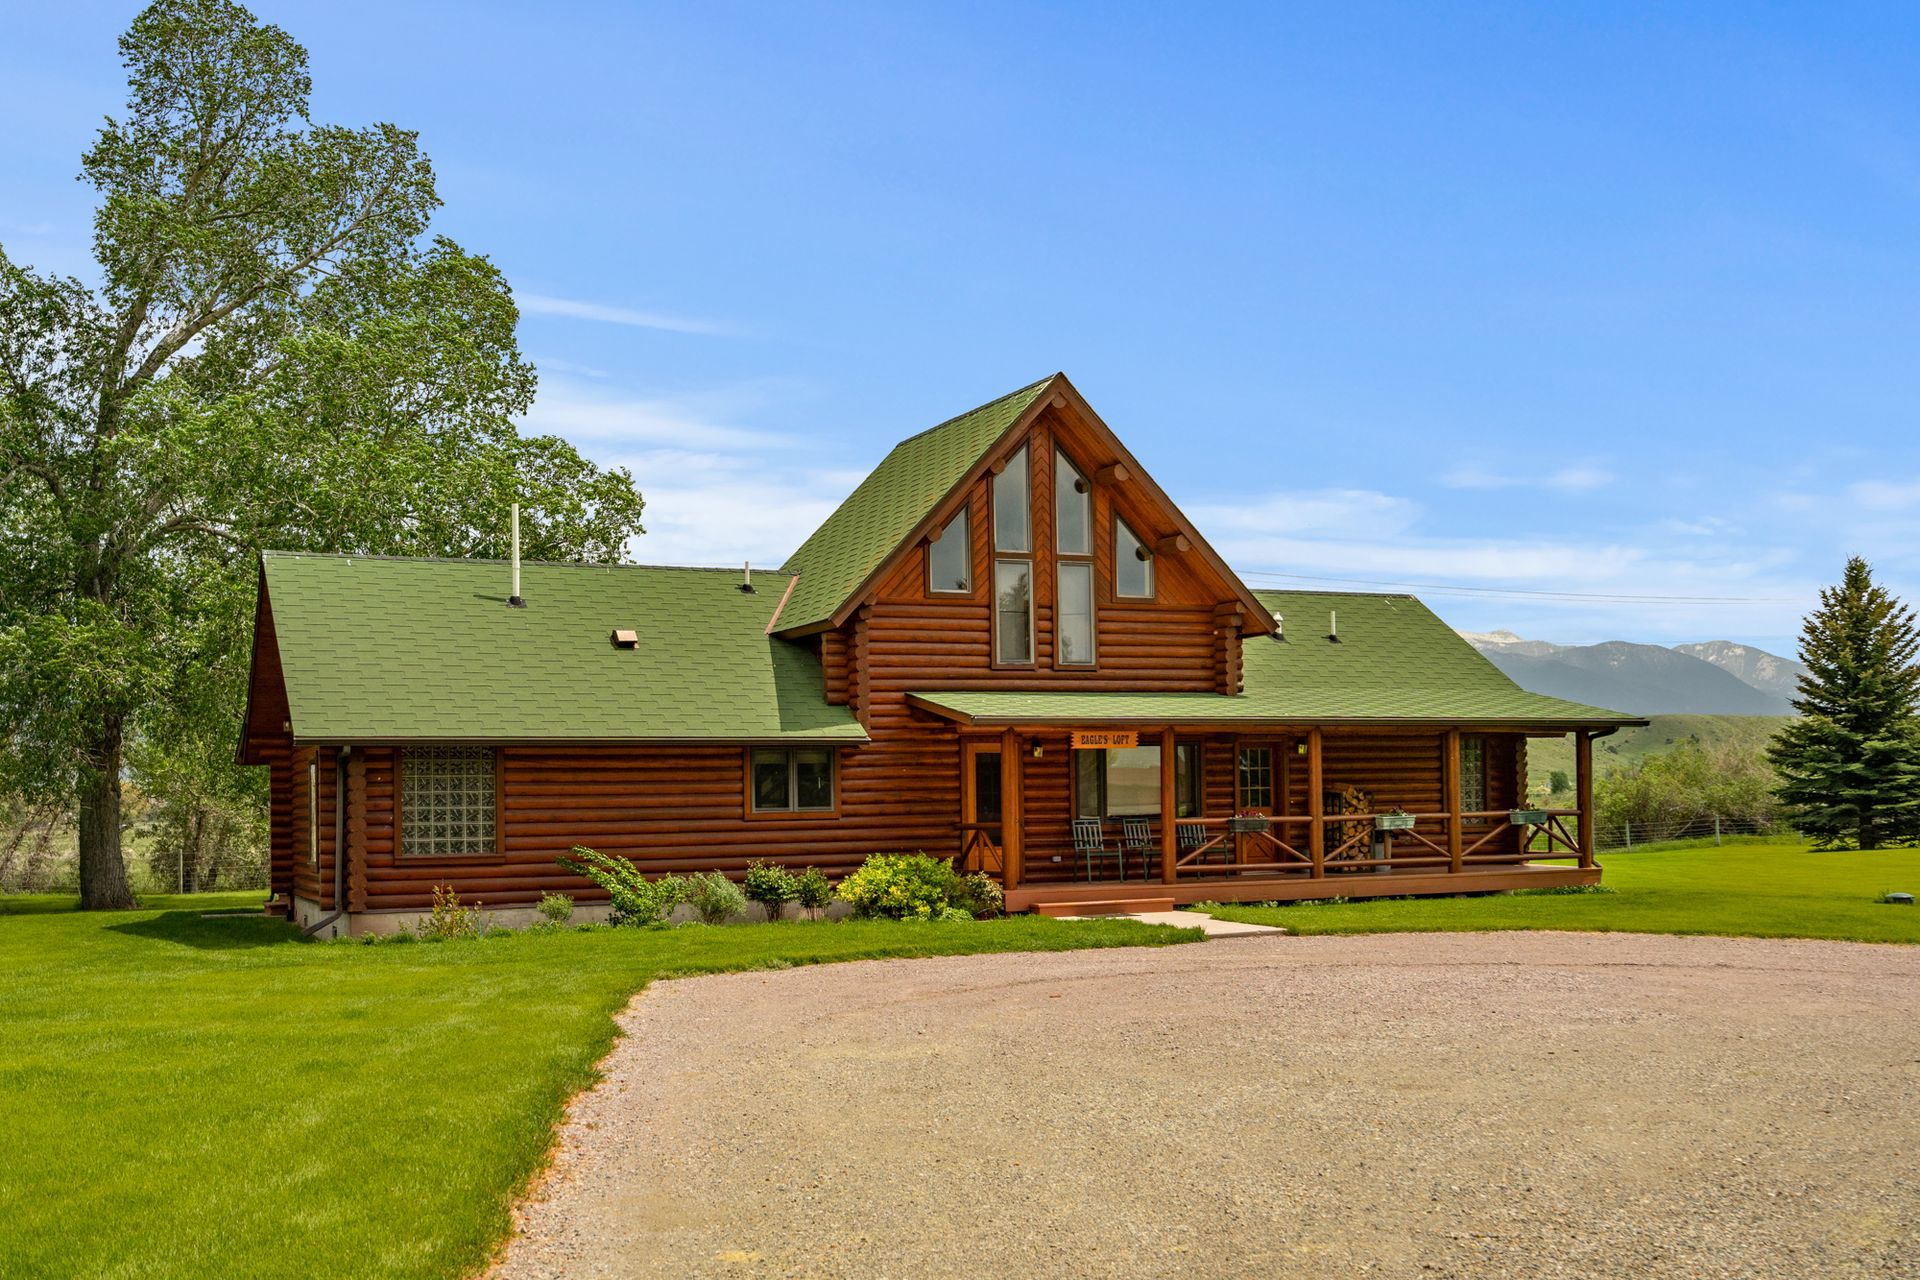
{"points": [[1101, 739]]}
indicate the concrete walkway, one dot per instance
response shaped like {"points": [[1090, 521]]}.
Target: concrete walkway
{"points": [[1206, 924]]}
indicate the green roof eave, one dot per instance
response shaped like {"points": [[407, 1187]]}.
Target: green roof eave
{"points": [[1528, 712]]}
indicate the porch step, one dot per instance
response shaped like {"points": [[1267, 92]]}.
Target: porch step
{"points": [[1106, 907]]}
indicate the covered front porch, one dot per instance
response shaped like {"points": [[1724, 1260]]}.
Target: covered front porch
{"points": [[1075, 819]]}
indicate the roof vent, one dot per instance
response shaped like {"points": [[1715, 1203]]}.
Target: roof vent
{"points": [[746, 577], [1333, 626], [1279, 629], [513, 599], [625, 639]]}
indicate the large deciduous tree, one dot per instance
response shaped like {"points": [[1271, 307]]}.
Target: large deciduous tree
{"points": [[1850, 765], [274, 352]]}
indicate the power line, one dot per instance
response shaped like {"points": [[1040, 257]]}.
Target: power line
{"points": [[1449, 589]]}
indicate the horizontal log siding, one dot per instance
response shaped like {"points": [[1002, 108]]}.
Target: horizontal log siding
{"points": [[314, 883]]}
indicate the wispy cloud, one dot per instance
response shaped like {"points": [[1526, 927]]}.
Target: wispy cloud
{"points": [[1885, 495], [1572, 479], [603, 421], [540, 304]]}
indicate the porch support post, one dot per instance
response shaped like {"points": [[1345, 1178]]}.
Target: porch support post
{"points": [[1316, 810], [1169, 847], [1454, 820], [1583, 774], [1012, 851]]}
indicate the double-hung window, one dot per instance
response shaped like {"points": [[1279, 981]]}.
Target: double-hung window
{"points": [[1013, 563], [449, 802], [1073, 577], [791, 780]]}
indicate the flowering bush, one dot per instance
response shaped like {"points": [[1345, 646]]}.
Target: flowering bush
{"points": [[903, 886]]}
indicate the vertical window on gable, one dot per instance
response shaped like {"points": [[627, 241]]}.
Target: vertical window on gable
{"points": [[1013, 612], [950, 560], [1073, 613], [1013, 505], [1072, 509], [1132, 564]]}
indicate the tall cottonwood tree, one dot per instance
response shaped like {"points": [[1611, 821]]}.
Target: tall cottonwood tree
{"points": [[275, 352], [1850, 764]]}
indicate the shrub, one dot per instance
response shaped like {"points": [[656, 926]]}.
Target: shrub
{"points": [[771, 885], [981, 895], [715, 897], [901, 886], [556, 908], [449, 919], [955, 915], [635, 899], [813, 890]]}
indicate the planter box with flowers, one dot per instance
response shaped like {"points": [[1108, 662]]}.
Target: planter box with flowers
{"points": [[1249, 824], [1395, 821]]}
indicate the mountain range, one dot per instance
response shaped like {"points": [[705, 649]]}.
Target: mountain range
{"points": [[1717, 677]]}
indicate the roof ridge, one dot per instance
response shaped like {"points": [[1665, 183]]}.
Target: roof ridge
{"points": [[525, 564]]}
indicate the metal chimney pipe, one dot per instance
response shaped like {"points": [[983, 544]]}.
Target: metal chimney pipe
{"points": [[514, 601], [1333, 624]]}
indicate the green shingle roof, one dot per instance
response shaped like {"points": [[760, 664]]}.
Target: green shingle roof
{"points": [[1396, 663], [393, 650], [909, 482]]}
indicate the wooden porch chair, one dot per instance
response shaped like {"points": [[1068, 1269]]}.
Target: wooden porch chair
{"points": [[1090, 842], [1136, 837], [1188, 836]]}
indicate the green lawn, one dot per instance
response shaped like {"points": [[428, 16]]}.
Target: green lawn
{"points": [[192, 1096], [1759, 889]]}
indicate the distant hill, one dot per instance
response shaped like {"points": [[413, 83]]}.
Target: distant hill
{"points": [[1767, 672], [1643, 679], [1663, 733]]}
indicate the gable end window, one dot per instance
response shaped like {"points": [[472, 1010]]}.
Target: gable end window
{"points": [[791, 780], [449, 802], [1013, 505], [1072, 509], [1132, 564], [1013, 613], [950, 560]]}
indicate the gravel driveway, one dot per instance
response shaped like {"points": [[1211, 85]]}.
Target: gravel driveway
{"points": [[1518, 1104]]}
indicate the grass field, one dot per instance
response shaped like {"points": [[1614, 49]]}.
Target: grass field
{"points": [[1661, 733], [191, 1096], [1759, 889]]}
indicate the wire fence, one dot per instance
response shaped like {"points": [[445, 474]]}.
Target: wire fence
{"points": [[1632, 835], [148, 872]]}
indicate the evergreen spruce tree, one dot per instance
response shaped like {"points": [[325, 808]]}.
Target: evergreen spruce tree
{"points": [[1850, 765]]}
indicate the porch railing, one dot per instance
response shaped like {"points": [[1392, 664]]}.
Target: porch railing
{"points": [[1353, 842], [980, 847]]}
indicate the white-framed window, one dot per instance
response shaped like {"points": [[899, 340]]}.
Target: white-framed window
{"points": [[1073, 613], [1124, 782], [449, 802], [1013, 612], [313, 810], [1132, 564], [1072, 509], [1013, 505], [950, 560], [1473, 774], [792, 779]]}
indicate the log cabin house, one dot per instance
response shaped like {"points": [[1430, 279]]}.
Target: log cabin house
{"points": [[1007, 645]]}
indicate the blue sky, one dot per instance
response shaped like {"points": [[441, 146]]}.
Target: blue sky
{"points": [[1599, 299]]}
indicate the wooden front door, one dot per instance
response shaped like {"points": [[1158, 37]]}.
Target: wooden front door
{"points": [[1258, 766], [980, 836]]}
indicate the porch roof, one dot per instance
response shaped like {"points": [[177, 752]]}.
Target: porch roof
{"points": [[1394, 663], [1420, 707]]}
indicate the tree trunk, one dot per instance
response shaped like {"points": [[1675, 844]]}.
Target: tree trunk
{"points": [[103, 869]]}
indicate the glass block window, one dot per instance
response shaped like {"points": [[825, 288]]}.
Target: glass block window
{"points": [[1473, 774], [447, 797]]}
